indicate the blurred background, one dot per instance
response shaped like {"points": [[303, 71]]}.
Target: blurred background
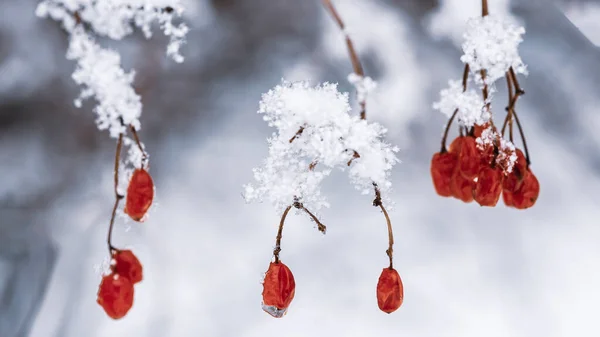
{"points": [[467, 271]]}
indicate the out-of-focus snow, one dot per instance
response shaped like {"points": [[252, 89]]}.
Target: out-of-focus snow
{"points": [[586, 16]]}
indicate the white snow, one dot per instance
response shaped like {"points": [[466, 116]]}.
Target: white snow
{"points": [[469, 103], [329, 138]]}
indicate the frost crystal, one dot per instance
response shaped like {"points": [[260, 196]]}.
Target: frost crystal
{"points": [[469, 104], [491, 44], [315, 134]]}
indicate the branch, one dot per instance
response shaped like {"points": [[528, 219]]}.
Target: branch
{"points": [[322, 228], [356, 64], [118, 196]]}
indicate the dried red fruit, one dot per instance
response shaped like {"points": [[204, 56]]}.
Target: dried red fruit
{"points": [[527, 194], [390, 291], [442, 168], [489, 186], [513, 180], [478, 129], [115, 295], [456, 145], [461, 187], [279, 288], [507, 197], [140, 194], [469, 158], [127, 265]]}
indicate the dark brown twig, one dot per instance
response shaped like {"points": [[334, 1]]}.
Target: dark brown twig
{"points": [[118, 196], [322, 228], [277, 249], [465, 78], [356, 64], [378, 203], [298, 133], [484, 8], [355, 155]]}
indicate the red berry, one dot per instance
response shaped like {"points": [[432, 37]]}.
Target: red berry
{"points": [[442, 168], [461, 187], [527, 194], [115, 295], [478, 129], [127, 265], [390, 292], [508, 198], [279, 288], [456, 145], [140, 193], [489, 186], [513, 180], [469, 158]]}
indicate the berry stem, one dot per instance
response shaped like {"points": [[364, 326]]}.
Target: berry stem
{"points": [[484, 8], [322, 228], [522, 138], [118, 196], [139, 144], [465, 79], [377, 203], [356, 64], [511, 77], [279, 234]]}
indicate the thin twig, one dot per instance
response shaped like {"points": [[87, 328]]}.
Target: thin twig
{"points": [[356, 64], [279, 234], [118, 196], [465, 79], [522, 138], [322, 228], [139, 144], [298, 133], [378, 203], [484, 8], [355, 155]]}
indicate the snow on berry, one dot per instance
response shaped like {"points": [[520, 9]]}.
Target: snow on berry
{"points": [[316, 134], [506, 157], [491, 44], [469, 104]]}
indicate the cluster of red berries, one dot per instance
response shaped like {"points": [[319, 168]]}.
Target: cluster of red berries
{"points": [[482, 169], [279, 289], [115, 294]]}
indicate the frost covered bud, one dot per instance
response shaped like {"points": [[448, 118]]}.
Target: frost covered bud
{"points": [[279, 288], [115, 295], [390, 291], [140, 194]]}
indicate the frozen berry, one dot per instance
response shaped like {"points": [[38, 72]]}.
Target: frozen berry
{"points": [[513, 180], [140, 193], [279, 288], [442, 168], [390, 292], [127, 265], [469, 158], [527, 194], [489, 186], [507, 197], [461, 187], [115, 295]]}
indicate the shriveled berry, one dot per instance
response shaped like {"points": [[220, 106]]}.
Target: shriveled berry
{"points": [[115, 295], [469, 158], [527, 194], [489, 186], [140, 194], [507, 197], [513, 180], [127, 265], [390, 291], [456, 145], [279, 288], [442, 168], [461, 187], [478, 129]]}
